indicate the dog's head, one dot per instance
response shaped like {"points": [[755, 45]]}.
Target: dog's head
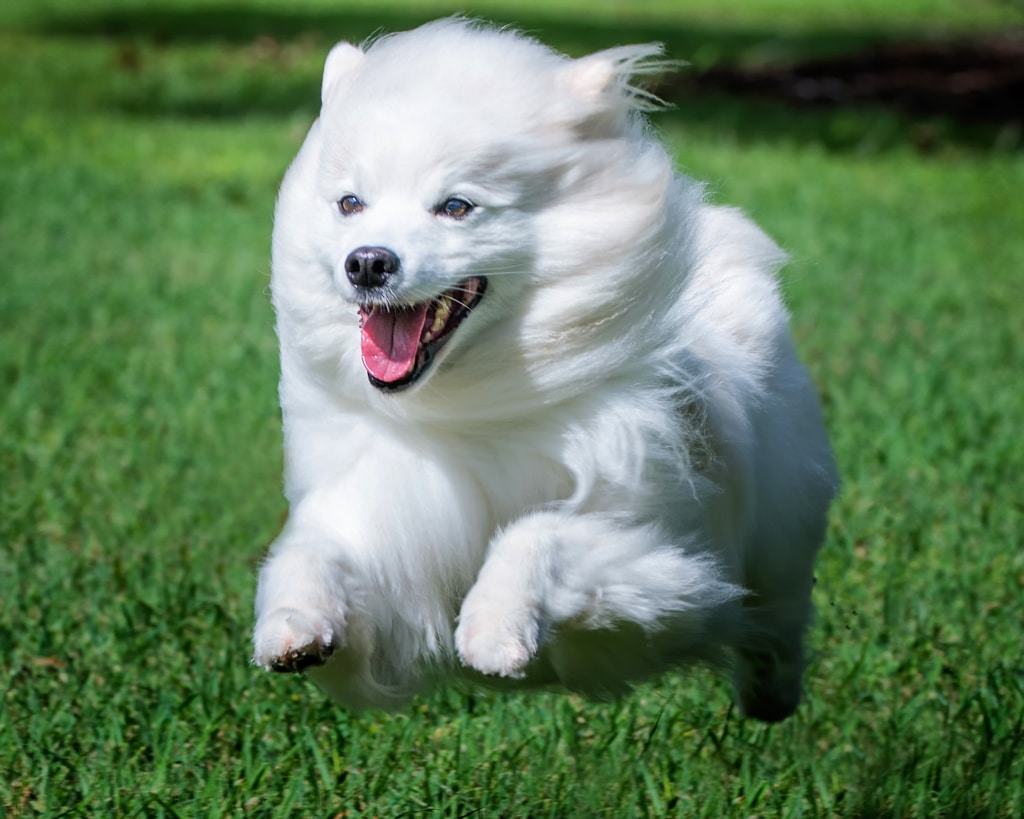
{"points": [[456, 171]]}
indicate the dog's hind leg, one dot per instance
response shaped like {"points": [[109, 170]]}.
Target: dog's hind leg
{"points": [[770, 661]]}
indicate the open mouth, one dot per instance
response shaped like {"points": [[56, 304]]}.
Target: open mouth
{"points": [[400, 343]]}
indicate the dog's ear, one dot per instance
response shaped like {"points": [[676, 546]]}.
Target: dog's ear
{"points": [[341, 62], [589, 76], [613, 82]]}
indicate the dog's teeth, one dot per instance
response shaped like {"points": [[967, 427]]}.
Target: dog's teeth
{"points": [[444, 309]]}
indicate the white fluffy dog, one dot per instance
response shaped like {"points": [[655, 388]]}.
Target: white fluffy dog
{"points": [[543, 419]]}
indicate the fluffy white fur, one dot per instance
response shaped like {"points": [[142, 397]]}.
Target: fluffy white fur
{"points": [[617, 463]]}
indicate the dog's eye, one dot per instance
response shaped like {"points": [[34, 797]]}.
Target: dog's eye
{"points": [[455, 208], [350, 204]]}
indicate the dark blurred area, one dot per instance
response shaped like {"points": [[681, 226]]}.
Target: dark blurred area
{"points": [[976, 79]]}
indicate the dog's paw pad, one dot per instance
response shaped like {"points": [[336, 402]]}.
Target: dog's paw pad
{"points": [[289, 641], [497, 646], [300, 659]]}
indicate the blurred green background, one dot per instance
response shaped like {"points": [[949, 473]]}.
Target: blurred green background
{"points": [[141, 144]]}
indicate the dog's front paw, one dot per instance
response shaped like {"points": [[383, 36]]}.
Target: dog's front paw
{"points": [[497, 641], [289, 640]]}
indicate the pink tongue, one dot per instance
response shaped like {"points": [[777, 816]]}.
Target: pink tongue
{"points": [[390, 340]]}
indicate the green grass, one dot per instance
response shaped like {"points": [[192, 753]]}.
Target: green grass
{"points": [[140, 452]]}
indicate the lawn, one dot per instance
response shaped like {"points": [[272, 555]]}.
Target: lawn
{"points": [[140, 456]]}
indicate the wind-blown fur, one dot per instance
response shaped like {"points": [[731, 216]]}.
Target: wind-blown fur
{"points": [[615, 465]]}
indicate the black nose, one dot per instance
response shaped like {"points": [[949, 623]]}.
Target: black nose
{"points": [[370, 266]]}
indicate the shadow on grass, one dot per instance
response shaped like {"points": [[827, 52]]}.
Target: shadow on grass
{"points": [[274, 86], [229, 24]]}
